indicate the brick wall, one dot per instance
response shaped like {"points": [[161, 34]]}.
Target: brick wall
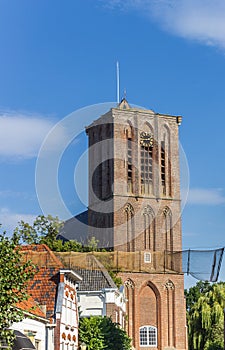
{"points": [[155, 299]]}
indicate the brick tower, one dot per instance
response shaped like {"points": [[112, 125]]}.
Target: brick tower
{"points": [[134, 207]]}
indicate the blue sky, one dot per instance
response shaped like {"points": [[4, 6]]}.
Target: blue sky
{"points": [[57, 57]]}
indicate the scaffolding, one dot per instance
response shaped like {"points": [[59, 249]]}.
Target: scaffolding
{"points": [[201, 264]]}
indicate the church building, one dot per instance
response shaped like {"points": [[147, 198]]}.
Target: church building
{"points": [[135, 207]]}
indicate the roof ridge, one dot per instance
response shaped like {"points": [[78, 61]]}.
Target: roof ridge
{"points": [[55, 258], [105, 272], [35, 247]]}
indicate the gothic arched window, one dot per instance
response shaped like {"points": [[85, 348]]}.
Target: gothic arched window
{"points": [[129, 294], [168, 229], [146, 160], [129, 211], [129, 134], [165, 163], [149, 228]]}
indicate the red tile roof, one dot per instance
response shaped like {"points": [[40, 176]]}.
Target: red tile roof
{"points": [[43, 286], [31, 307], [41, 255]]}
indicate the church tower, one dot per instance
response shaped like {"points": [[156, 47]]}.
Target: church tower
{"points": [[134, 207]]}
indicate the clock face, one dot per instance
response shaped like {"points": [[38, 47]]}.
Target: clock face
{"points": [[146, 139]]}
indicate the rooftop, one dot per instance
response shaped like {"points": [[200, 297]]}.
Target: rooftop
{"points": [[43, 287]]}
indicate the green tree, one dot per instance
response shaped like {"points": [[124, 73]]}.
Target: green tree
{"points": [[45, 230], [117, 280], [14, 276], [101, 333], [115, 336], [205, 319], [193, 293], [91, 333], [92, 244]]}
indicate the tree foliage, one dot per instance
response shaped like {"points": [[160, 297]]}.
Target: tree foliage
{"points": [[205, 316], [45, 230], [116, 279], [90, 332], [102, 333], [195, 292], [14, 276]]}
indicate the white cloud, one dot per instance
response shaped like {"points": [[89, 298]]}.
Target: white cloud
{"points": [[9, 220], [21, 135], [202, 20], [206, 196]]}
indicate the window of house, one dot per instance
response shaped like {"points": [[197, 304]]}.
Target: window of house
{"points": [[146, 169], [148, 336]]}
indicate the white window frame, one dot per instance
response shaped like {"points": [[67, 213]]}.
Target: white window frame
{"points": [[149, 338], [147, 257]]}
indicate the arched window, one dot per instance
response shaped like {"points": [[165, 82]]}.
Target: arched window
{"points": [[129, 134], [168, 238], [148, 336], [129, 294], [168, 229], [165, 162], [129, 210], [146, 160], [149, 228], [163, 167]]}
